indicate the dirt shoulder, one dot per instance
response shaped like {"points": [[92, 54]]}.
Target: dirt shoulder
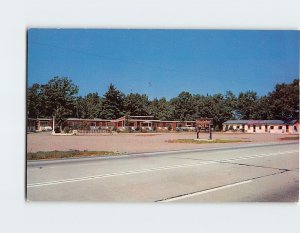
{"points": [[139, 143]]}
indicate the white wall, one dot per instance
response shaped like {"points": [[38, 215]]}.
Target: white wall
{"points": [[276, 129]]}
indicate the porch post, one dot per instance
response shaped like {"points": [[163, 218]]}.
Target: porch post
{"points": [[53, 125]]}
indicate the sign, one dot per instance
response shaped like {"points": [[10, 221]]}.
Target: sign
{"points": [[204, 123]]}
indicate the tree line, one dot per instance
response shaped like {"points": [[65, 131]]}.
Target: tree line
{"points": [[59, 98]]}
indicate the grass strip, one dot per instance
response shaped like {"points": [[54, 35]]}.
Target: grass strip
{"points": [[66, 154], [290, 138], [205, 141]]}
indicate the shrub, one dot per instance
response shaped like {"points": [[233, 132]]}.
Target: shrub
{"points": [[67, 129], [83, 126], [169, 127], [154, 128], [57, 129]]}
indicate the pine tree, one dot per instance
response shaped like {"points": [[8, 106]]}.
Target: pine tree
{"points": [[113, 104]]}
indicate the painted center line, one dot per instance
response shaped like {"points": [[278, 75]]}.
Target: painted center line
{"points": [[205, 191], [151, 170]]}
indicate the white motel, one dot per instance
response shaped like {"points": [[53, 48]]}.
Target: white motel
{"points": [[262, 126]]}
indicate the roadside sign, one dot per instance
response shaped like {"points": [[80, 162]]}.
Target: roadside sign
{"points": [[204, 123]]}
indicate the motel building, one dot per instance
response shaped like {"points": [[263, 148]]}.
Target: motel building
{"points": [[262, 126], [149, 123], [39, 124], [122, 123]]}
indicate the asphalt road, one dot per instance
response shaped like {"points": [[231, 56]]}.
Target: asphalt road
{"points": [[268, 173]]}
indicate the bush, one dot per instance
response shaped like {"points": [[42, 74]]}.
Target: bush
{"points": [[83, 126], [57, 129], [170, 127], [154, 128], [67, 129]]}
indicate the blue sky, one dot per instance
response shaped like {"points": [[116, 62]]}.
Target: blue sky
{"points": [[164, 62]]}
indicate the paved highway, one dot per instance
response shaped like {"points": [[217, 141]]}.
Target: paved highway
{"points": [[247, 174]]}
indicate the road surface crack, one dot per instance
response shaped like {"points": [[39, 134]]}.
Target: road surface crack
{"points": [[181, 196], [240, 164]]}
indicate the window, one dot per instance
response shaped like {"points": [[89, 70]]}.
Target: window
{"points": [[259, 127], [295, 128], [44, 123], [237, 126], [271, 127], [280, 127]]}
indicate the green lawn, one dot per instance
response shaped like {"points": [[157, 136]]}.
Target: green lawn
{"points": [[66, 154], [204, 141], [290, 138]]}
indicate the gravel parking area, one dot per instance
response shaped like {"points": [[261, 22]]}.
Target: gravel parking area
{"points": [[140, 142]]}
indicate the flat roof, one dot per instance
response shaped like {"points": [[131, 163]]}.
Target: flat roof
{"points": [[141, 116], [81, 119], [261, 122]]}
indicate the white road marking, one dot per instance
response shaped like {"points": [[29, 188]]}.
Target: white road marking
{"points": [[153, 169], [206, 191], [257, 156], [118, 174]]}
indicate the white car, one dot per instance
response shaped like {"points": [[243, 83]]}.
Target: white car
{"points": [[46, 128]]}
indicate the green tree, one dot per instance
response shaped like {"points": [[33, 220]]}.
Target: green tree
{"points": [[230, 103], [161, 109], [222, 110], [247, 105], [203, 106], [34, 101], [284, 101], [218, 107], [184, 108], [113, 103], [89, 107], [58, 97], [136, 104]]}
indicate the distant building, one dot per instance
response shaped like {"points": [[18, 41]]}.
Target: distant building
{"points": [[122, 123], [31, 124], [148, 122], [262, 126], [95, 123]]}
